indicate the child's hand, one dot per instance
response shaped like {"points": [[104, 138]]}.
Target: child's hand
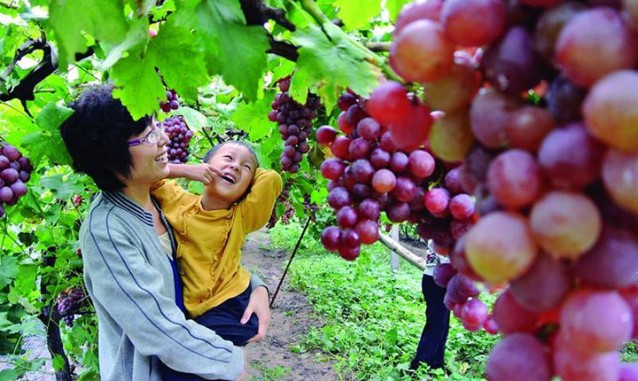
{"points": [[214, 170], [202, 173]]}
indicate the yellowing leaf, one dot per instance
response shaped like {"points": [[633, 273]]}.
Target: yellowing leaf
{"points": [[356, 14], [394, 7]]}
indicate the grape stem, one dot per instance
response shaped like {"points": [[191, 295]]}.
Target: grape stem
{"points": [[328, 27]]}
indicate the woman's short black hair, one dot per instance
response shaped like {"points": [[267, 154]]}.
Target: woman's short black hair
{"points": [[216, 148], [96, 136]]}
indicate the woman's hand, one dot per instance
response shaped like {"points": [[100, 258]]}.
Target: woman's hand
{"points": [[259, 305]]}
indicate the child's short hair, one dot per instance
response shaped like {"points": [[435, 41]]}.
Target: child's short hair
{"points": [[216, 148]]}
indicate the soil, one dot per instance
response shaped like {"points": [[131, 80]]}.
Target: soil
{"points": [[291, 317], [270, 359]]}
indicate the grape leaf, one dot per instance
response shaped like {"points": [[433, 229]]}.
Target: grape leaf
{"points": [[253, 117], [10, 269], [394, 8], [62, 187], [70, 19], [179, 60], [136, 36], [328, 66], [242, 62], [193, 118], [47, 143], [356, 14], [137, 84]]}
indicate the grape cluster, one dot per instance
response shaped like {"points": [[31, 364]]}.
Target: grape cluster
{"points": [[171, 103], [288, 208], [15, 171], [294, 123], [69, 302], [372, 171], [537, 104], [180, 135]]}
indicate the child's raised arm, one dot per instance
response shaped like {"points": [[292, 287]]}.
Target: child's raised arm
{"points": [[197, 172]]}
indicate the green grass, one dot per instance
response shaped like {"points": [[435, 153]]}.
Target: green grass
{"points": [[373, 317]]}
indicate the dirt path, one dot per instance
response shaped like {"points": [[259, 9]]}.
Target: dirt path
{"points": [[292, 316]]}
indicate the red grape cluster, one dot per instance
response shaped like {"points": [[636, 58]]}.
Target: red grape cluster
{"points": [[294, 123], [289, 210], [69, 302], [171, 103], [556, 173], [378, 168], [15, 171], [180, 135]]}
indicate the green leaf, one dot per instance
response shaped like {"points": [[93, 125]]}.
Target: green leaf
{"points": [[180, 61], [253, 117], [10, 374], [48, 142], [356, 14], [138, 86], [10, 269], [394, 8], [62, 187], [58, 362], [70, 19], [232, 49], [194, 119], [136, 37], [328, 67]]}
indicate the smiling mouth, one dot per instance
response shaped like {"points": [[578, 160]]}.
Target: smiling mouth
{"points": [[228, 178], [163, 158]]}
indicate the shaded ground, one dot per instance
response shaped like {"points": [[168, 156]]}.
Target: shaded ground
{"points": [[292, 316]]}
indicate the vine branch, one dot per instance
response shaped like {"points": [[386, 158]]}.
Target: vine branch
{"points": [[258, 13]]}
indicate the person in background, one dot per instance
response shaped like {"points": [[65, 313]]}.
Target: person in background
{"points": [[431, 348], [211, 228], [129, 275]]}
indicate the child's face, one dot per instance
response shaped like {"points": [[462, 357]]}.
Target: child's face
{"points": [[238, 166]]}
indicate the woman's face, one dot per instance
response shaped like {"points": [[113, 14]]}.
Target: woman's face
{"points": [[149, 159]]}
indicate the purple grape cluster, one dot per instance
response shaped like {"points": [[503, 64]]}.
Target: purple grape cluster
{"points": [[68, 302], [180, 135], [171, 103], [295, 123], [369, 174], [15, 171]]}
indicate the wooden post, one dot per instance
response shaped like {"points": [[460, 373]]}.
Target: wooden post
{"points": [[395, 263]]}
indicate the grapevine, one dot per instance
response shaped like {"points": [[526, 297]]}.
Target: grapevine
{"points": [[179, 136], [171, 103], [294, 124], [15, 172], [381, 167], [554, 174], [69, 303]]}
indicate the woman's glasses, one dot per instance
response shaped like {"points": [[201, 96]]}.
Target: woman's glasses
{"points": [[152, 137]]}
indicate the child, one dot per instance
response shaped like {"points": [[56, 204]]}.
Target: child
{"points": [[210, 230]]}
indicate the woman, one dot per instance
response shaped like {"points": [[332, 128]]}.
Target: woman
{"points": [[131, 278]]}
